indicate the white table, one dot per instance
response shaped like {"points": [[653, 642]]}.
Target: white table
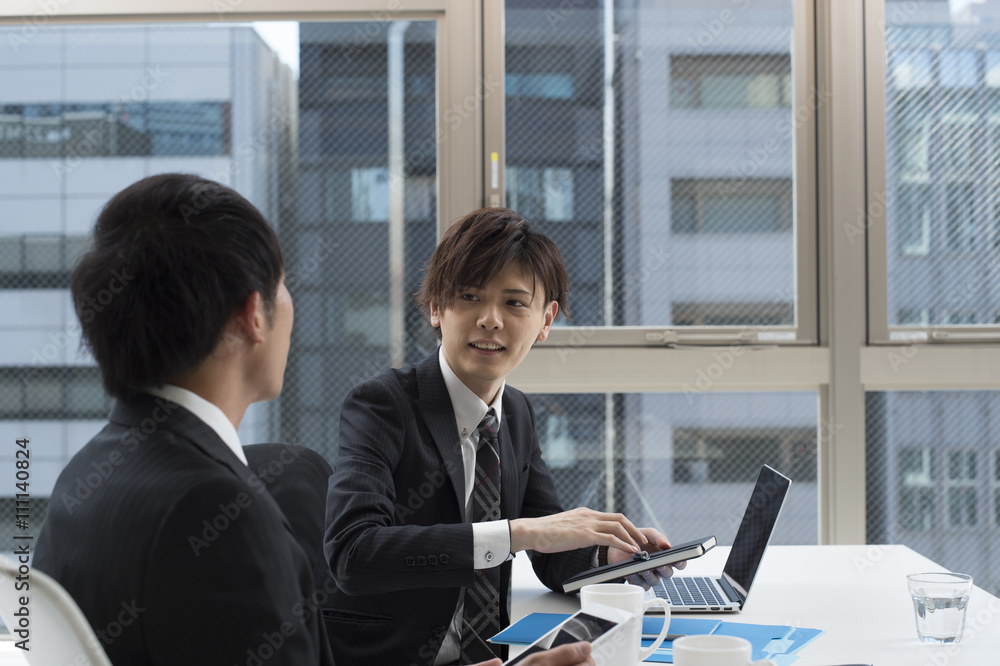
{"points": [[856, 594]]}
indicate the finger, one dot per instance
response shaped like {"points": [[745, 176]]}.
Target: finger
{"points": [[650, 577], [491, 662], [633, 531], [637, 579], [612, 541], [568, 655], [681, 565], [619, 531], [666, 571], [656, 538]]}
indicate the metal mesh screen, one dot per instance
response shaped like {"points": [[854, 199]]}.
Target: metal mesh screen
{"points": [[339, 156], [684, 463], [653, 143], [934, 477], [942, 200], [353, 318]]}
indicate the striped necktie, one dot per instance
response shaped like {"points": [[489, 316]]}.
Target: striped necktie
{"points": [[481, 617]]}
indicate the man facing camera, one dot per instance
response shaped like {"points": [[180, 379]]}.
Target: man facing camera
{"points": [[179, 533], [440, 480]]}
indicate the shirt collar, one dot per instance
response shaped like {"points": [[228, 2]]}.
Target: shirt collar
{"points": [[209, 413], [469, 407]]}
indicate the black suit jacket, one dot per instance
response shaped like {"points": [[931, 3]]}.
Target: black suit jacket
{"points": [[396, 539], [175, 552]]}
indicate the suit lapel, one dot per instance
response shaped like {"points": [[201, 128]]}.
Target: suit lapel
{"points": [[439, 417]]}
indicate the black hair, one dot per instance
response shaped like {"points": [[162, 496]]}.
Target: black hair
{"points": [[173, 257]]}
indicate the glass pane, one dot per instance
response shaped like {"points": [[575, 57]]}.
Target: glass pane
{"points": [[295, 118], [681, 156], [678, 466], [934, 476], [942, 197]]}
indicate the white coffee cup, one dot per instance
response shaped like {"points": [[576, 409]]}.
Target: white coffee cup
{"points": [[715, 651], [627, 650]]}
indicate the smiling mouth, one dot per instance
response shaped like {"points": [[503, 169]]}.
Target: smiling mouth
{"points": [[487, 346]]}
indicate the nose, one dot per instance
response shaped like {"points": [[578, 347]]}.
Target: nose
{"points": [[490, 318]]}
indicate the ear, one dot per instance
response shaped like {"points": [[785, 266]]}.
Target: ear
{"points": [[249, 321], [548, 316], [435, 314]]}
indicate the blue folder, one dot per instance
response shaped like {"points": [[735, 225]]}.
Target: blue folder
{"points": [[777, 642]]}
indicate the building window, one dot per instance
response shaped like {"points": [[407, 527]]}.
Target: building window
{"points": [[914, 316], [916, 490], [913, 141], [733, 314], [957, 135], [993, 69], [745, 81], [911, 69], [961, 489], [541, 193], [736, 456], [544, 86], [959, 69], [961, 230], [51, 392], [731, 206], [39, 261], [961, 317], [163, 129], [370, 195], [914, 220]]}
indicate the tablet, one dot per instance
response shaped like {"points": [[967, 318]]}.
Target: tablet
{"points": [[596, 625], [639, 563]]}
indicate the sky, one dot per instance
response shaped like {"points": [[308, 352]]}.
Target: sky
{"points": [[283, 37]]}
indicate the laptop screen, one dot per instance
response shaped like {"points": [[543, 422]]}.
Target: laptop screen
{"points": [[755, 530]]}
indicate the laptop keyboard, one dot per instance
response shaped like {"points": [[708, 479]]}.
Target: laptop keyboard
{"points": [[689, 591]]}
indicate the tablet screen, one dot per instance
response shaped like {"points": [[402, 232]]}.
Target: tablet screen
{"points": [[580, 627]]}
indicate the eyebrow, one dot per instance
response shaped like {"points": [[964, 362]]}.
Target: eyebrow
{"points": [[506, 291]]}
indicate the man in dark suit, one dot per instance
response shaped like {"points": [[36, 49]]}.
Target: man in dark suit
{"points": [[418, 536], [174, 551]]}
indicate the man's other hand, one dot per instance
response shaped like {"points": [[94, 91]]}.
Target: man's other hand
{"points": [[654, 542]]}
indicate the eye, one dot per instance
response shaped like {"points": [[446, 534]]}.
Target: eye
{"points": [[469, 297], [515, 303]]}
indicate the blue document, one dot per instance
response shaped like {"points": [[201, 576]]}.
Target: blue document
{"points": [[770, 641], [532, 627]]}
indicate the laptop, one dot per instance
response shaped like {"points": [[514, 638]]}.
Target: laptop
{"points": [[728, 593]]}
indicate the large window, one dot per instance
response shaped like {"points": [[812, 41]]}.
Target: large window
{"points": [[699, 166]]}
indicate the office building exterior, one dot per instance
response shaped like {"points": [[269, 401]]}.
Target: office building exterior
{"points": [[85, 111]]}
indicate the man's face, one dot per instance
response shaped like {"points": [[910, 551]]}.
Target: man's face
{"points": [[490, 328]]}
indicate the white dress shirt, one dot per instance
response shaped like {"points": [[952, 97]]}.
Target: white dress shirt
{"points": [[209, 414], [490, 539]]}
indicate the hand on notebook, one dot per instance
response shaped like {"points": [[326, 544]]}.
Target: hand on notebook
{"points": [[647, 579], [574, 654], [577, 528]]}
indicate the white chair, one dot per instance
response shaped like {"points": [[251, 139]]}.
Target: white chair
{"points": [[60, 633]]}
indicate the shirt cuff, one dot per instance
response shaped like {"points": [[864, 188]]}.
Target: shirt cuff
{"points": [[490, 543]]}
